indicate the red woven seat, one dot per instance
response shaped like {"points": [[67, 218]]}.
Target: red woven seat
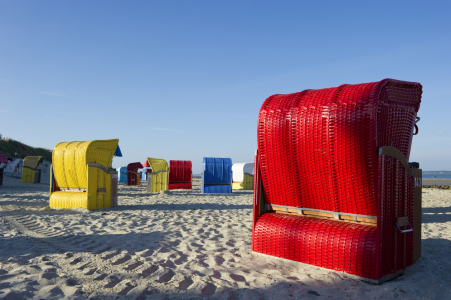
{"points": [[322, 243], [339, 154]]}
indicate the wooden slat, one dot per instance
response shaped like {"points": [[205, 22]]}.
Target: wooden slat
{"points": [[324, 215], [72, 189]]}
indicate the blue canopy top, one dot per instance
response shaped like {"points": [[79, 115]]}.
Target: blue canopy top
{"points": [[118, 152]]}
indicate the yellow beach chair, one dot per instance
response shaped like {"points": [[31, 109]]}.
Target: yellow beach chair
{"points": [[80, 175], [158, 179], [30, 173]]}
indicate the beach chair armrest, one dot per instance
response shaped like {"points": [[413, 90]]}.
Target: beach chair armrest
{"points": [[396, 154], [94, 165]]}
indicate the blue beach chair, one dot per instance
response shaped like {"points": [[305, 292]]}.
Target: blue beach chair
{"points": [[122, 171], [217, 175]]}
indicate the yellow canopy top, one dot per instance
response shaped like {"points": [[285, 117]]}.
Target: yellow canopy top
{"points": [[158, 164], [70, 160], [31, 161]]}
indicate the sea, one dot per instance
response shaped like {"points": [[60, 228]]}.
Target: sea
{"points": [[437, 174]]}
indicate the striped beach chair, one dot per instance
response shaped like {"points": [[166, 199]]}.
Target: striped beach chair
{"points": [[333, 185]]}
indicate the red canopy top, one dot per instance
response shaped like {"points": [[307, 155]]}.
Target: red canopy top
{"points": [[146, 164], [134, 166]]}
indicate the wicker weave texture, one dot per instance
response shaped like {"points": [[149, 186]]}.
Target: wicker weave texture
{"points": [[70, 160], [319, 149], [68, 200], [320, 146], [180, 174], [333, 245], [90, 199]]}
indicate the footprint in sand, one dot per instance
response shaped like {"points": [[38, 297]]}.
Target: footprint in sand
{"points": [[166, 276], [128, 288], [184, 284], [121, 260], [146, 253], [110, 255], [150, 270], [112, 282], [90, 271], [182, 259], [231, 243], [101, 277], [133, 266], [208, 289], [168, 264], [76, 261], [236, 277]]}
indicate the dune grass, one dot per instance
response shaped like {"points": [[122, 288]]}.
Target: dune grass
{"points": [[10, 146]]}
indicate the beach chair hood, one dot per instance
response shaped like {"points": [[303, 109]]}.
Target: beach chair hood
{"points": [[70, 160]]}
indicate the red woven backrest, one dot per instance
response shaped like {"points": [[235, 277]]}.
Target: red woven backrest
{"points": [[180, 171], [319, 148]]}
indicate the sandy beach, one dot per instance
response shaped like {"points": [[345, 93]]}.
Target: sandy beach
{"points": [[436, 182], [182, 245]]}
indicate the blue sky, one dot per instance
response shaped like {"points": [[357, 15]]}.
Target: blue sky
{"points": [[186, 79]]}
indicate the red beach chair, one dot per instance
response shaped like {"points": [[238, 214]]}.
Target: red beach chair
{"points": [[180, 174], [133, 178], [333, 186]]}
